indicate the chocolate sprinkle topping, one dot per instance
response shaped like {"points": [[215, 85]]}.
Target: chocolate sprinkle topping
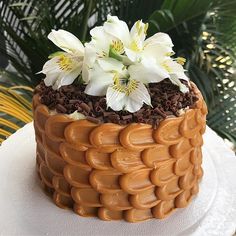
{"points": [[166, 99]]}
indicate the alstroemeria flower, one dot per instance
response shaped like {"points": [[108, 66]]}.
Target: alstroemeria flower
{"points": [[151, 61], [104, 73], [110, 77], [149, 70], [176, 71], [135, 45], [64, 67], [98, 47], [144, 57], [131, 42], [116, 59]]}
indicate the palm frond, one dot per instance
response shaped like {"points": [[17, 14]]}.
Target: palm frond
{"points": [[15, 109]]}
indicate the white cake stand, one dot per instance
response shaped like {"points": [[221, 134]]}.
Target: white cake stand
{"points": [[26, 210]]}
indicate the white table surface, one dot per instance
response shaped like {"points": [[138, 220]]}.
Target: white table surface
{"points": [[26, 210]]}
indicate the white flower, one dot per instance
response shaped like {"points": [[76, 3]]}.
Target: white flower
{"points": [[118, 62], [104, 73], [64, 67], [110, 77], [159, 46], [61, 70], [129, 42], [98, 47], [144, 57], [176, 71], [128, 95], [148, 71], [147, 56], [134, 43]]}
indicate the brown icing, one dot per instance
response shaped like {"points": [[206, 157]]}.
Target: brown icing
{"points": [[131, 172]]}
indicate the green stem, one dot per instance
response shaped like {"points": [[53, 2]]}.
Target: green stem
{"points": [[85, 22]]}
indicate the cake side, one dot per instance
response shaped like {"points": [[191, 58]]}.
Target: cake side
{"points": [[133, 172]]}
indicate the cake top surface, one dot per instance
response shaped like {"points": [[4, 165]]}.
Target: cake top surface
{"points": [[119, 71], [166, 99]]}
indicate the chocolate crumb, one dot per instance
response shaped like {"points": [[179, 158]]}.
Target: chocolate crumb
{"points": [[93, 119], [166, 100], [85, 107], [60, 108]]}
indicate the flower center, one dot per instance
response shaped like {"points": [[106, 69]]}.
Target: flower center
{"points": [[118, 46], [124, 85], [131, 86], [65, 63]]}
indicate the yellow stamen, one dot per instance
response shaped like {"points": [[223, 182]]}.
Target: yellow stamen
{"points": [[169, 54], [118, 85], [181, 60], [65, 63], [132, 85], [116, 79], [118, 46], [121, 86]]}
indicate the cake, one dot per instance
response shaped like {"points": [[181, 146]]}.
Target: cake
{"points": [[139, 162]]}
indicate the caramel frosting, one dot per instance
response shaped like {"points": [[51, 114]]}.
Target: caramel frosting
{"points": [[131, 172]]}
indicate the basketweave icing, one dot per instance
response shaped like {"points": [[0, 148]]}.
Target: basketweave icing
{"points": [[115, 172]]}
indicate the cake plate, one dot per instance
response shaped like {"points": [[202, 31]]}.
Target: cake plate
{"points": [[26, 210]]}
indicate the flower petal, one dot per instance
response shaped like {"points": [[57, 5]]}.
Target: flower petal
{"points": [[133, 56], [137, 97], [139, 31], [110, 64], [66, 41], [148, 71], [158, 46], [88, 62], [100, 40], [61, 79], [175, 80], [157, 51], [117, 28], [69, 77], [51, 79], [115, 99], [99, 81], [175, 68], [160, 38], [51, 66]]}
